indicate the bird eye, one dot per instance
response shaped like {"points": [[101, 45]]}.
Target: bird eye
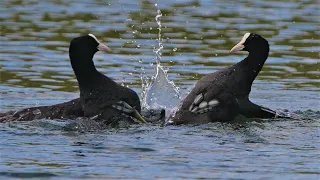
{"points": [[251, 37]]}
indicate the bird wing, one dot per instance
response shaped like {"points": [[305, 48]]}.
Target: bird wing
{"points": [[205, 95]]}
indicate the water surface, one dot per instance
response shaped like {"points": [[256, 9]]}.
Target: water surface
{"points": [[197, 37]]}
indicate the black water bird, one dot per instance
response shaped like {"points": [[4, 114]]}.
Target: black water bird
{"points": [[100, 96], [101, 99], [223, 95]]}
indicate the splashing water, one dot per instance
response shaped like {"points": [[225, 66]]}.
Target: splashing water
{"points": [[160, 48], [160, 92]]}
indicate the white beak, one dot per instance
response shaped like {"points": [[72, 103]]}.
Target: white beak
{"points": [[240, 46], [104, 48], [101, 47]]}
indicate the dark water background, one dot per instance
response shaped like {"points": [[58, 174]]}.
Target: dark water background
{"points": [[197, 36]]}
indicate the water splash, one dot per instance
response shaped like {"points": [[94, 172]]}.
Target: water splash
{"points": [[160, 46], [160, 92]]}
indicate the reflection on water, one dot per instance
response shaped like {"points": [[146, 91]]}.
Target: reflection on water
{"points": [[197, 36]]}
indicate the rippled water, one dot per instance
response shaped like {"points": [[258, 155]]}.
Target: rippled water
{"points": [[197, 36]]}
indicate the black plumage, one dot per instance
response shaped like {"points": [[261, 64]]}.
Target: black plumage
{"points": [[100, 96], [228, 89]]}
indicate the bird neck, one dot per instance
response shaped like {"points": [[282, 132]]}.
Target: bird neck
{"points": [[256, 60], [84, 69]]}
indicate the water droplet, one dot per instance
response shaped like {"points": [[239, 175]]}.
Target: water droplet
{"points": [[175, 49]]}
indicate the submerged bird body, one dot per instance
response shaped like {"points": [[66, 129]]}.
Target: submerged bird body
{"points": [[100, 96], [223, 95]]}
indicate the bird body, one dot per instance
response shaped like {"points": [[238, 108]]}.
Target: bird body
{"points": [[100, 96], [228, 89]]}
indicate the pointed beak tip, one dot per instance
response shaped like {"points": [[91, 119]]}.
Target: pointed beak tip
{"points": [[104, 48], [107, 50], [232, 50]]}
